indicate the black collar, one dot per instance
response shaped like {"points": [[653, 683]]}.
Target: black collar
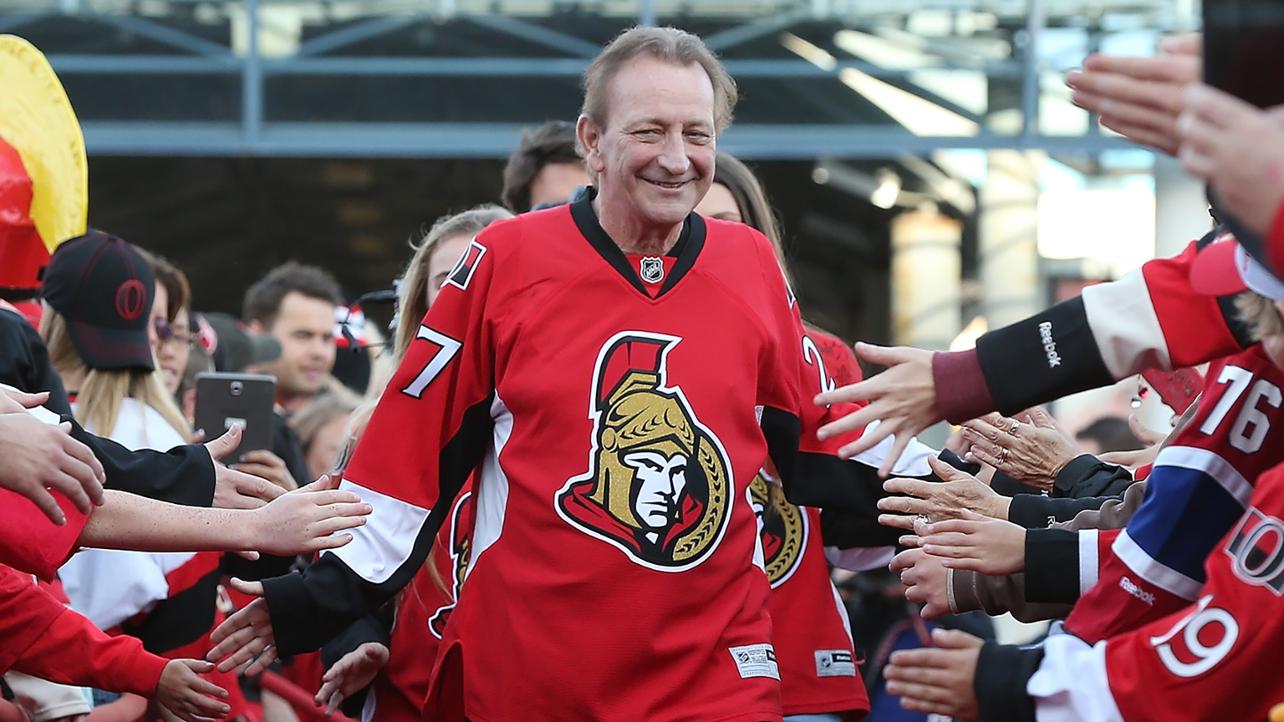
{"points": [[690, 243]]}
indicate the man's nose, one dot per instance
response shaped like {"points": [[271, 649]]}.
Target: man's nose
{"points": [[673, 158]]}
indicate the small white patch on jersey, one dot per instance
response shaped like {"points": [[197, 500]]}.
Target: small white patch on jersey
{"points": [[651, 270], [755, 660], [835, 663]]}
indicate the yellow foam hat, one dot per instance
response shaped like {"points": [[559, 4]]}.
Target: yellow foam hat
{"points": [[37, 120]]}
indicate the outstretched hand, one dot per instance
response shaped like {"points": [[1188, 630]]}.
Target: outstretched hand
{"points": [[938, 680], [957, 492], [308, 519], [901, 399], [39, 459], [351, 674], [246, 637], [976, 543], [235, 489], [926, 581], [183, 692], [1032, 451]]}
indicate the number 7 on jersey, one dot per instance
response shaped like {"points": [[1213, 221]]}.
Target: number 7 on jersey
{"points": [[447, 348]]}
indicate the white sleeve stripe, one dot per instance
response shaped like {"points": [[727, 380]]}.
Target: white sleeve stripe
{"points": [[1123, 322], [1203, 460], [1144, 566], [384, 543], [1088, 561], [1071, 684]]}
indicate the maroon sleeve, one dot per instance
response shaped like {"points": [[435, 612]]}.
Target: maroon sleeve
{"points": [[29, 541], [961, 390]]}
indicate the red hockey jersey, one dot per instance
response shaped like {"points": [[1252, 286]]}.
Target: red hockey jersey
{"points": [[1212, 661], [809, 627], [618, 433], [1197, 489], [424, 607]]}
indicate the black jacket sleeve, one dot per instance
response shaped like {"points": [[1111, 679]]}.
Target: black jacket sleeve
{"points": [[1051, 566], [183, 475], [1086, 475], [1037, 512], [24, 362], [1002, 672]]}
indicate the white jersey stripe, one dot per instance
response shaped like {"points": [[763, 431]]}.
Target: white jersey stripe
{"points": [[1221, 471], [383, 544], [1123, 321], [491, 489], [1150, 569]]}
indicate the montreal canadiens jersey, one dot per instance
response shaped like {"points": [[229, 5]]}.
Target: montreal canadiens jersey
{"points": [[1198, 487], [1215, 659], [616, 427]]}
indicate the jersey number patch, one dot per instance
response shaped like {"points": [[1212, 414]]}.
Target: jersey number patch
{"points": [[447, 347], [1251, 425], [1206, 637]]}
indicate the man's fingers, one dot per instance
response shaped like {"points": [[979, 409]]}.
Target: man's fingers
{"points": [[339, 523], [26, 399], [944, 472], [1165, 142], [934, 676], [922, 657], [948, 552], [70, 487], [947, 539], [325, 482], [253, 469], [261, 664], [905, 505], [1217, 107], [1178, 70], [905, 560], [1187, 44], [952, 526], [900, 443], [249, 651], [908, 540]]}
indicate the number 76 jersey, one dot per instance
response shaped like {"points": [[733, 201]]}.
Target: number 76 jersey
{"points": [[616, 409], [1198, 487]]}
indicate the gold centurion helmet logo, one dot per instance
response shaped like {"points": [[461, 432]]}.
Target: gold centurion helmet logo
{"points": [[659, 482], [782, 529]]}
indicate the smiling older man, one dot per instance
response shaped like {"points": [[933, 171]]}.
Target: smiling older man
{"points": [[587, 361]]}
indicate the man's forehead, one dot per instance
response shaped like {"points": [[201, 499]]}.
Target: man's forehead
{"points": [[651, 89]]}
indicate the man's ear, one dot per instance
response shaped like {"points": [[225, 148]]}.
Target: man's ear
{"points": [[589, 136]]}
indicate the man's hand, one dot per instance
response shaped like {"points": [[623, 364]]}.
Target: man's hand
{"points": [[1140, 98], [246, 637], [36, 457], [1239, 150], [1033, 453], [948, 499], [976, 543], [902, 399], [235, 489], [308, 519], [926, 581], [263, 463], [12, 399], [351, 674], [183, 692], [938, 680]]}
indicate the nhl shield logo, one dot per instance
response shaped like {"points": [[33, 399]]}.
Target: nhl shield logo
{"points": [[651, 270], [658, 484]]}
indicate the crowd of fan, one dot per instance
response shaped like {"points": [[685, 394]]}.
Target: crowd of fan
{"points": [[1015, 516]]}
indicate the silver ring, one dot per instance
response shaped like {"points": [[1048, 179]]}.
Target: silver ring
{"points": [[1013, 428], [1003, 455]]}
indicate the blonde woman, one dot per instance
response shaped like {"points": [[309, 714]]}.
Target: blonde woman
{"points": [[100, 299], [399, 661]]}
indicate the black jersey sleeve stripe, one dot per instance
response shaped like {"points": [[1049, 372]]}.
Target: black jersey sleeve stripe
{"points": [[330, 595]]}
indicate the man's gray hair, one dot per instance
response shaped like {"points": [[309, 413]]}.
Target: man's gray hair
{"points": [[668, 44]]}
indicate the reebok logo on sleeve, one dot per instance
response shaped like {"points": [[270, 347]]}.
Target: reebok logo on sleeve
{"points": [[1049, 346]]}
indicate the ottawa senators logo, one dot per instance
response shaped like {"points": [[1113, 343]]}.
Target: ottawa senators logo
{"points": [[461, 529], [782, 528], [658, 485]]}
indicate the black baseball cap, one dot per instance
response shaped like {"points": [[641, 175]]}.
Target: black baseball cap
{"points": [[103, 288], [233, 346]]}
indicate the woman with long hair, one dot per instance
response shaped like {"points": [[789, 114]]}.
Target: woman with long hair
{"points": [[100, 298], [396, 664], [819, 681]]}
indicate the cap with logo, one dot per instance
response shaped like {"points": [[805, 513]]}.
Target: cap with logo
{"points": [[103, 288], [232, 346]]}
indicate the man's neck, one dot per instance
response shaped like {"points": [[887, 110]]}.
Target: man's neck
{"points": [[635, 238]]}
